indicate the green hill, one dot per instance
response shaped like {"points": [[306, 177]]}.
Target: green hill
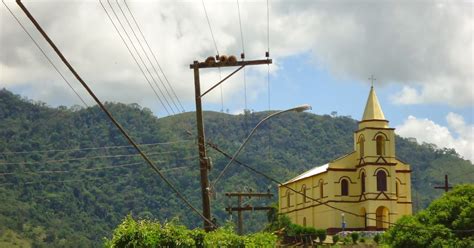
{"points": [[59, 189]]}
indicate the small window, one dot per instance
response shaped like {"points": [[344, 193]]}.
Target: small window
{"points": [[396, 189], [361, 146], [304, 194], [304, 221], [362, 182], [380, 140], [321, 190], [288, 199], [381, 181], [344, 187]]}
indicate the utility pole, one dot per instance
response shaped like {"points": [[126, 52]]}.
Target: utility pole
{"points": [[240, 208], [223, 61], [446, 186]]}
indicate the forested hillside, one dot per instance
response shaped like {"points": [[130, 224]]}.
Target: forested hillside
{"points": [[68, 177]]}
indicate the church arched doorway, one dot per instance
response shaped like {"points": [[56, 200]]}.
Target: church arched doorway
{"points": [[382, 218]]}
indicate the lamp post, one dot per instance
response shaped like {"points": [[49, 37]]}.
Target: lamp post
{"points": [[343, 223], [301, 108]]}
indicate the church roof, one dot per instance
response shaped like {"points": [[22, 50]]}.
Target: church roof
{"points": [[316, 170], [373, 111]]}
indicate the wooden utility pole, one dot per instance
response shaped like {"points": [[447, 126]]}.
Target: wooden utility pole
{"points": [[203, 159], [239, 209], [446, 186]]}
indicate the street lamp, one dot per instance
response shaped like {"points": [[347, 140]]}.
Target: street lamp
{"points": [[343, 223], [300, 108]]}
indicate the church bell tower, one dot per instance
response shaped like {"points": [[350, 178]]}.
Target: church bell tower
{"points": [[374, 141]]}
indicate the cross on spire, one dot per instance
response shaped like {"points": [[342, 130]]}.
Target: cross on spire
{"points": [[372, 79]]}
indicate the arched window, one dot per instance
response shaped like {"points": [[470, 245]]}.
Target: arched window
{"points": [[361, 146], [344, 187], [362, 182], [321, 190], [304, 221], [380, 140], [381, 181]]}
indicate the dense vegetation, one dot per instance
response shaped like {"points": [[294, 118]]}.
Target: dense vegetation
{"points": [[447, 222], [146, 233], [75, 198]]}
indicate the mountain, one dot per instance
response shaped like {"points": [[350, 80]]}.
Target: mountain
{"points": [[68, 177]]}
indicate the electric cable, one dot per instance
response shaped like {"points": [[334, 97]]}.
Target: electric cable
{"points": [[88, 179], [140, 57], [210, 27], [95, 148], [44, 54], [154, 56], [243, 57], [133, 56], [112, 119], [148, 58], [42, 172], [87, 158], [217, 51]]}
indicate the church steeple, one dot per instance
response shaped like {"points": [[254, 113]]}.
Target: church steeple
{"points": [[374, 138], [373, 111], [373, 115]]}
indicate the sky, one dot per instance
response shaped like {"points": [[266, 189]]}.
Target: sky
{"points": [[420, 52]]}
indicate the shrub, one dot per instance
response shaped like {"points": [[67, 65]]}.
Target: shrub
{"points": [[377, 238], [224, 237], [335, 239], [293, 230], [321, 233], [362, 240], [309, 231], [261, 239], [346, 240], [146, 233], [354, 237]]}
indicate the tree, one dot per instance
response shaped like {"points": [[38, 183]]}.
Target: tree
{"points": [[448, 220]]}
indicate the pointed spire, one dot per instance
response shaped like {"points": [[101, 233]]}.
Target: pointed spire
{"points": [[373, 111]]}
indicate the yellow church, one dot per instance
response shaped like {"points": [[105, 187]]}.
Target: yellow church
{"points": [[369, 182]]}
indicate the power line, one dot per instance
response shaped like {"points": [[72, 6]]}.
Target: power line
{"points": [[134, 58], [88, 179], [242, 55], [96, 148], [44, 54], [215, 147], [68, 171], [154, 56], [267, 54], [139, 56], [112, 119], [148, 58], [86, 158], [210, 27], [222, 92], [240, 25], [42, 172], [217, 51]]}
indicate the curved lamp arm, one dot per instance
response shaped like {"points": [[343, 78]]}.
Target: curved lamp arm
{"points": [[301, 108]]}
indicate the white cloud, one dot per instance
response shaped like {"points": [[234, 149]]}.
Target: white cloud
{"points": [[408, 95], [425, 46], [458, 135]]}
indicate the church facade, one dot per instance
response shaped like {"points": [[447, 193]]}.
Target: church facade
{"points": [[369, 182]]}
